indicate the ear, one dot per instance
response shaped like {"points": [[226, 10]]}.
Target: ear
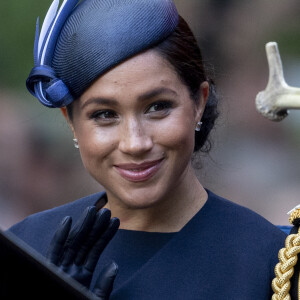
{"points": [[65, 113], [203, 96], [66, 116]]}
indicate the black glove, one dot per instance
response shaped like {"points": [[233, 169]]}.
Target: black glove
{"points": [[76, 251]]}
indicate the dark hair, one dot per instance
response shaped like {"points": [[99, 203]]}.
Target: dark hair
{"points": [[181, 50]]}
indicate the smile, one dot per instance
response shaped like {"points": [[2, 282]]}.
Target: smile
{"points": [[139, 172]]}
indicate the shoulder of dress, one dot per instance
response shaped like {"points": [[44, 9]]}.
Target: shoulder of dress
{"points": [[243, 218], [38, 229], [51, 215]]}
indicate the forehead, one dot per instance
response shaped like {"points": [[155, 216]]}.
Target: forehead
{"points": [[142, 72]]}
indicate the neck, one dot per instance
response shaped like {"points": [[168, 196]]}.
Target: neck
{"points": [[168, 215]]}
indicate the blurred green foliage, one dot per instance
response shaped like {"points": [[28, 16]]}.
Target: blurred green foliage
{"points": [[289, 40], [287, 34], [17, 20]]}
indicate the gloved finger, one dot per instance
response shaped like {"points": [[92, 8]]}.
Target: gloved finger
{"points": [[97, 249], [78, 235], [100, 225], [57, 243], [105, 281]]}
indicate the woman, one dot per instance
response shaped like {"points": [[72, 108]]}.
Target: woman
{"points": [[129, 79]]}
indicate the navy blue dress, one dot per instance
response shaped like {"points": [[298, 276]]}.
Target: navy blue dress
{"points": [[224, 252]]}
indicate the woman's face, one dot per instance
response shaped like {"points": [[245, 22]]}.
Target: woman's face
{"points": [[135, 127]]}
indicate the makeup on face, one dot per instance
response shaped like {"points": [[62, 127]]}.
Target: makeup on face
{"points": [[135, 126]]}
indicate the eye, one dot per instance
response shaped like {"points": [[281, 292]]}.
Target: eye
{"points": [[160, 106], [104, 115]]}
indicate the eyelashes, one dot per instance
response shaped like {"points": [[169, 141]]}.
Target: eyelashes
{"points": [[155, 110], [159, 106], [104, 114]]}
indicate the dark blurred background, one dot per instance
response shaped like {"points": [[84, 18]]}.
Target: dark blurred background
{"points": [[254, 162]]}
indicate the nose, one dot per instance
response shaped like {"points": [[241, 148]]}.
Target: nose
{"points": [[135, 138]]}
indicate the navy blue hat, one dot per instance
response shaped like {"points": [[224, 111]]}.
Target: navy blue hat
{"points": [[82, 41]]}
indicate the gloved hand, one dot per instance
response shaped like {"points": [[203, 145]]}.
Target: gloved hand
{"points": [[76, 251]]}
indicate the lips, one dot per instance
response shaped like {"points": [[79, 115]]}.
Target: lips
{"points": [[139, 172]]}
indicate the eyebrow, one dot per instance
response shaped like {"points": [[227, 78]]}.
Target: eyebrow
{"points": [[98, 100], [156, 92], [148, 95]]}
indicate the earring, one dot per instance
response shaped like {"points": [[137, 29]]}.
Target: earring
{"points": [[76, 143], [198, 126]]}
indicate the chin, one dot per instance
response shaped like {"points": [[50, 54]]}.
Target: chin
{"points": [[139, 198]]}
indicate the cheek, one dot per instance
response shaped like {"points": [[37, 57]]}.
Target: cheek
{"points": [[95, 146], [177, 133]]}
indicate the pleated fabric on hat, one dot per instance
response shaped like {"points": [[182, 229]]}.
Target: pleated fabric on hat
{"points": [[100, 34]]}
